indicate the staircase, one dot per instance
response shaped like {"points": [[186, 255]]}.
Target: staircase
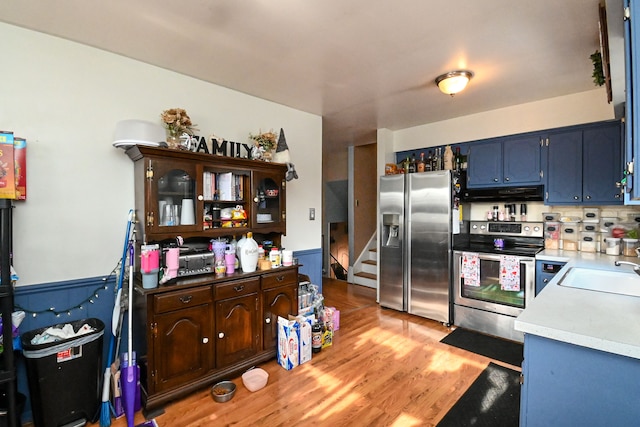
{"points": [[365, 269]]}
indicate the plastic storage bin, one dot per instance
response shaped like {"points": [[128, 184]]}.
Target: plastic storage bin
{"points": [[552, 235], [569, 236], [64, 376], [588, 241]]}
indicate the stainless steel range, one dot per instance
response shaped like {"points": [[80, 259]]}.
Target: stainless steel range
{"points": [[494, 276]]}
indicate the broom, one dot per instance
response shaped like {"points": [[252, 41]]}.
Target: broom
{"points": [[105, 409]]}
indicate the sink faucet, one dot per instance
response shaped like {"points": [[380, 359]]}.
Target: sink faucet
{"points": [[636, 267]]}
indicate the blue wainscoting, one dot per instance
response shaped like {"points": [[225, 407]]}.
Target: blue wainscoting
{"points": [[310, 261]]}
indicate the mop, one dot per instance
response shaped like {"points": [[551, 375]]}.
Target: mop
{"points": [[129, 372], [105, 409]]}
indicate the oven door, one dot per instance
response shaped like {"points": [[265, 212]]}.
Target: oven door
{"points": [[489, 295]]}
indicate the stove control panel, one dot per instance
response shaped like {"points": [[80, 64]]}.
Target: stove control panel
{"points": [[522, 229]]}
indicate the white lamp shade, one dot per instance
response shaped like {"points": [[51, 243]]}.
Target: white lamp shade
{"points": [[140, 132], [453, 82]]}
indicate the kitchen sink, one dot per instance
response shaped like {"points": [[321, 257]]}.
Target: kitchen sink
{"points": [[613, 282]]}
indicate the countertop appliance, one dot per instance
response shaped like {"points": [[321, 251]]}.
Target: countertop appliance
{"points": [[419, 218], [494, 276]]}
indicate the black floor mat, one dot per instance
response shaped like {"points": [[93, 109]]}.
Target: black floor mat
{"points": [[505, 351], [493, 400]]}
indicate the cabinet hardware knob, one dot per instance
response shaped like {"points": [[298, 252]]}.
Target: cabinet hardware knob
{"points": [[617, 196], [575, 197], [205, 340], [267, 320], [588, 197], [495, 179], [255, 199], [280, 278], [200, 197], [545, 280], [239, 288], [507, 179], [221, 335], [186, 299]]}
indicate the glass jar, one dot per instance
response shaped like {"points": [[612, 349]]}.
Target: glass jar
{"points": [[629, 247]]}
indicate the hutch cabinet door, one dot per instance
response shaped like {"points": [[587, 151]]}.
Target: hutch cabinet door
{"points": [[171, 203], [269, 197], [237, 329], [182, 347], [280, 301]]}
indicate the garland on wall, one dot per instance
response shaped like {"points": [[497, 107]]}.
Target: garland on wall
{"points": [[95, 294], [91, 299]]}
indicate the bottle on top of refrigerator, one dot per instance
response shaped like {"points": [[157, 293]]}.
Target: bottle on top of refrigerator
{"points": [[448, 158], [249, 258]]}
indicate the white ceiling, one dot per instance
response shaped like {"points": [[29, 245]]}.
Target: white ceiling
{"points": [[361, 64]]}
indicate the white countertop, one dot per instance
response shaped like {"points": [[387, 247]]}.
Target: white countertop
{"points": [[598, 320]]}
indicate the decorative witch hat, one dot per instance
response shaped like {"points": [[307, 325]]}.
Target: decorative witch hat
{"points": [[282, 142]]}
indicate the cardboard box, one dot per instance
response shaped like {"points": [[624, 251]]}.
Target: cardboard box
{"points": [[288, 344], [20, 159], [335, 318], [7, 166], [304, 337]]}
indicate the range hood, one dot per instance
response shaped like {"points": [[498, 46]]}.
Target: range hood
{"points": [[514, 194]]}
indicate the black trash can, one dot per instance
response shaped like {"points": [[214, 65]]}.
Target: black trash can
{"points": [[64, 376]]}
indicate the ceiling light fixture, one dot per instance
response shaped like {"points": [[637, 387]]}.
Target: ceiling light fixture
{"points": [[453, 81]]}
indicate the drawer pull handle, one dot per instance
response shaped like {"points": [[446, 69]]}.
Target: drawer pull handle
{"points": [[238, 288], [280, 278], [186, 299], [221, 335], [267, 320], [205, 340]]}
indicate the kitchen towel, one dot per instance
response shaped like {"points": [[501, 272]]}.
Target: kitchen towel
{"points": [[470, 269], [509, 273]]}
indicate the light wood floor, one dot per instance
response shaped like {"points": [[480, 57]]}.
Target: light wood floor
{"points": [[385, 368]]}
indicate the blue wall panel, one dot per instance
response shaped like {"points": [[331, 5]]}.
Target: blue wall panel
{"points": [[310, 261]]}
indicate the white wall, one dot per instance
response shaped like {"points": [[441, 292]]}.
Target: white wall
{"points": [[585, 107], [65, 99]]}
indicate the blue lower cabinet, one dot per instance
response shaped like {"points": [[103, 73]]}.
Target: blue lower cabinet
{"points": [[570, 385]]}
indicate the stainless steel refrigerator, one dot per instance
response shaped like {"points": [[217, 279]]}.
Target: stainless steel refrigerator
{"points": [[419, 217]]}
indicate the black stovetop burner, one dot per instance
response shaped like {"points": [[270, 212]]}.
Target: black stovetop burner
{"points": [[530, 251], [517, 238]]}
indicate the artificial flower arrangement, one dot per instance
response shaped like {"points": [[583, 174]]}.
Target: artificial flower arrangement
{"points": [[266, 140], [177, 122]]}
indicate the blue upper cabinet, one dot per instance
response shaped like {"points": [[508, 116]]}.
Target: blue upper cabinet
{"points": [[584, 165], [508, 161], [632, 81]]}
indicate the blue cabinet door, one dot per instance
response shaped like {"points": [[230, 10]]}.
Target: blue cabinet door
{"points": [[602, 164], [632, 110], [485, 164], [521, 160], [569, 385], [564, 168]]}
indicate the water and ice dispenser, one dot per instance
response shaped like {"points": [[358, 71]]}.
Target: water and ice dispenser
{"points": [[391, 231]]}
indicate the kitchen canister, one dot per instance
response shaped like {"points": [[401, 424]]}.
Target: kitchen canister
{"points": [[287, 257], [613, 245], [629, 247]]}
